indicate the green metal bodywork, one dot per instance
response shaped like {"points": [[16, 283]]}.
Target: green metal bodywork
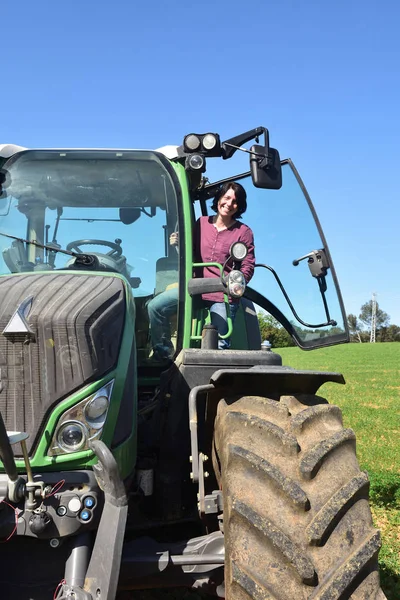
{"points": [[187, 213], [125, 453]]}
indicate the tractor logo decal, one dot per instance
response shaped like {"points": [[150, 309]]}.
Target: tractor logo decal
{"points": [[17, 326]]}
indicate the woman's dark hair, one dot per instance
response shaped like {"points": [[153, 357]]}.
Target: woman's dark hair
{"points": [[240, 194]]}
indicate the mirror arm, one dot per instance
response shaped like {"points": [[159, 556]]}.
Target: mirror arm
{"points": [[329, 321], [230, 146], [148, 214], [259, 154]]}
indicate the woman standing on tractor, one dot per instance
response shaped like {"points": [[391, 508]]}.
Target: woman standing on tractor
{"points": [[213, 239]]}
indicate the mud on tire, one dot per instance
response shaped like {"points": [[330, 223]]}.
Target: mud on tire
{"points": [[297, 521]]}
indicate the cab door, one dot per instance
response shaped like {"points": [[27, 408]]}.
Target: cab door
{"points": [[295, 279]]}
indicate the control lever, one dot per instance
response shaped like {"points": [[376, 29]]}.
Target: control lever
{"points": [[317, 262]]}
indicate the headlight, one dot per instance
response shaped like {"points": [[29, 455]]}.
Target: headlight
{"points": [[72, 436], [82, 423], [238, 250], [209, 141], [96, 411], [195, 162], [191, 142], [236, 284]]}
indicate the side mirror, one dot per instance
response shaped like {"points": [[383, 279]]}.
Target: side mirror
{"points": [[265, 166]]}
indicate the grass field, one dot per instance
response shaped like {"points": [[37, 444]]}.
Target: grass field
{"points": [[370, 402]]}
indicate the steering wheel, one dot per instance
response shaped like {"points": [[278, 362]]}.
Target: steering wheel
{"points": [[115, 252]]}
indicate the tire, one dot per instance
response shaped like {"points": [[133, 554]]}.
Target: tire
{"points": [[297, 521]]}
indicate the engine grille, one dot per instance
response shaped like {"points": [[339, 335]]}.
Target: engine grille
{"points": [[77, 322]]}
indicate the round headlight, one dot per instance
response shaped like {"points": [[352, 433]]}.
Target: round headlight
{"points": [[236, 284], [72, 436], [209, 141], [196, 162], [236, 276], [192, 142], [239, 251], [236, 290], [96, 411]]}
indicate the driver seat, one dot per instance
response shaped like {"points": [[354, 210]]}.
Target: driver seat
{"points": [[167, 274], [15, 257]]}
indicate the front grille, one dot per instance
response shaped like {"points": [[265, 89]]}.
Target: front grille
{"points": [[77, 323]]}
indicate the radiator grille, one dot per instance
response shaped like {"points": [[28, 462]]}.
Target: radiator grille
{"points": [[77, 322]]}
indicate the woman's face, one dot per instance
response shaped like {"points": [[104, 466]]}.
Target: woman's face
{"points": [[227, 204]]}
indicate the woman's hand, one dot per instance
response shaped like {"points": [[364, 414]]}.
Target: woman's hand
{"points": [[174, 239]]}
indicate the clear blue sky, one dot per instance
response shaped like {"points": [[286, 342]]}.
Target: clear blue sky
{"points": [[324, 77]]}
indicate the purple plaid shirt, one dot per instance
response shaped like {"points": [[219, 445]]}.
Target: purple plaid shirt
{"points": [[211, 245]]}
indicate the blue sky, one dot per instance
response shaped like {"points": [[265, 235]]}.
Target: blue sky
{"points": [[323, 77]]}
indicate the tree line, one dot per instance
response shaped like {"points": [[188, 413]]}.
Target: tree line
{"points": [[359, 327]]}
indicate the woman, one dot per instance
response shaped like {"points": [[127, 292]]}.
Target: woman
{"points": [[214, 237]]}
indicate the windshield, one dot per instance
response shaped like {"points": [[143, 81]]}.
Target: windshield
{"points": [[285, 229], [119, 206]]}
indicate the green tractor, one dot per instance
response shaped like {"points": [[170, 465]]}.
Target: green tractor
{"points": [[219, 470]]}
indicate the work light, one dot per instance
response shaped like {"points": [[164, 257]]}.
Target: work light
{"points": [[195, 162]]}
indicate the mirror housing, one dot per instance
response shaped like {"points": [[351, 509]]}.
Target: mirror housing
{"points": [[265, 166], [129, 215]]}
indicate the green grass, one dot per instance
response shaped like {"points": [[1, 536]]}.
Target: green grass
{"points": [[370, 402]]}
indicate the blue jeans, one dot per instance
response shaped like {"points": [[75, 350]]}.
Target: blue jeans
{"points": [[160, 309], [218, 315], [164, 305]]}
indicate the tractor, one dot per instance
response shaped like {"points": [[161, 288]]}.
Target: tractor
{"points": [[217, 470]]}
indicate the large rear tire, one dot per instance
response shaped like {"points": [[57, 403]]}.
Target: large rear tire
{"points": [[297, 521]]}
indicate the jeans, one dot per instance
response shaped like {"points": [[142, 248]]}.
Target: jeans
{"points": [[164, 305], [218, 314], [160, 309]]}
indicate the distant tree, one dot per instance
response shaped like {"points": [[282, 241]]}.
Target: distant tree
{"points": [[273, 331], [389, 334], [382, 318], [354, 327]]}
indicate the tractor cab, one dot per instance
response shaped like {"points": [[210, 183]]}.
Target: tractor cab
{"points": [[113, 212]]}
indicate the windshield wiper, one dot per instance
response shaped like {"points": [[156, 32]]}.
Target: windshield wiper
{"points": [[87, 260]]}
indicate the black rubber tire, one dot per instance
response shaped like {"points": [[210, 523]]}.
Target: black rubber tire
{"points": [[297, 521]]}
